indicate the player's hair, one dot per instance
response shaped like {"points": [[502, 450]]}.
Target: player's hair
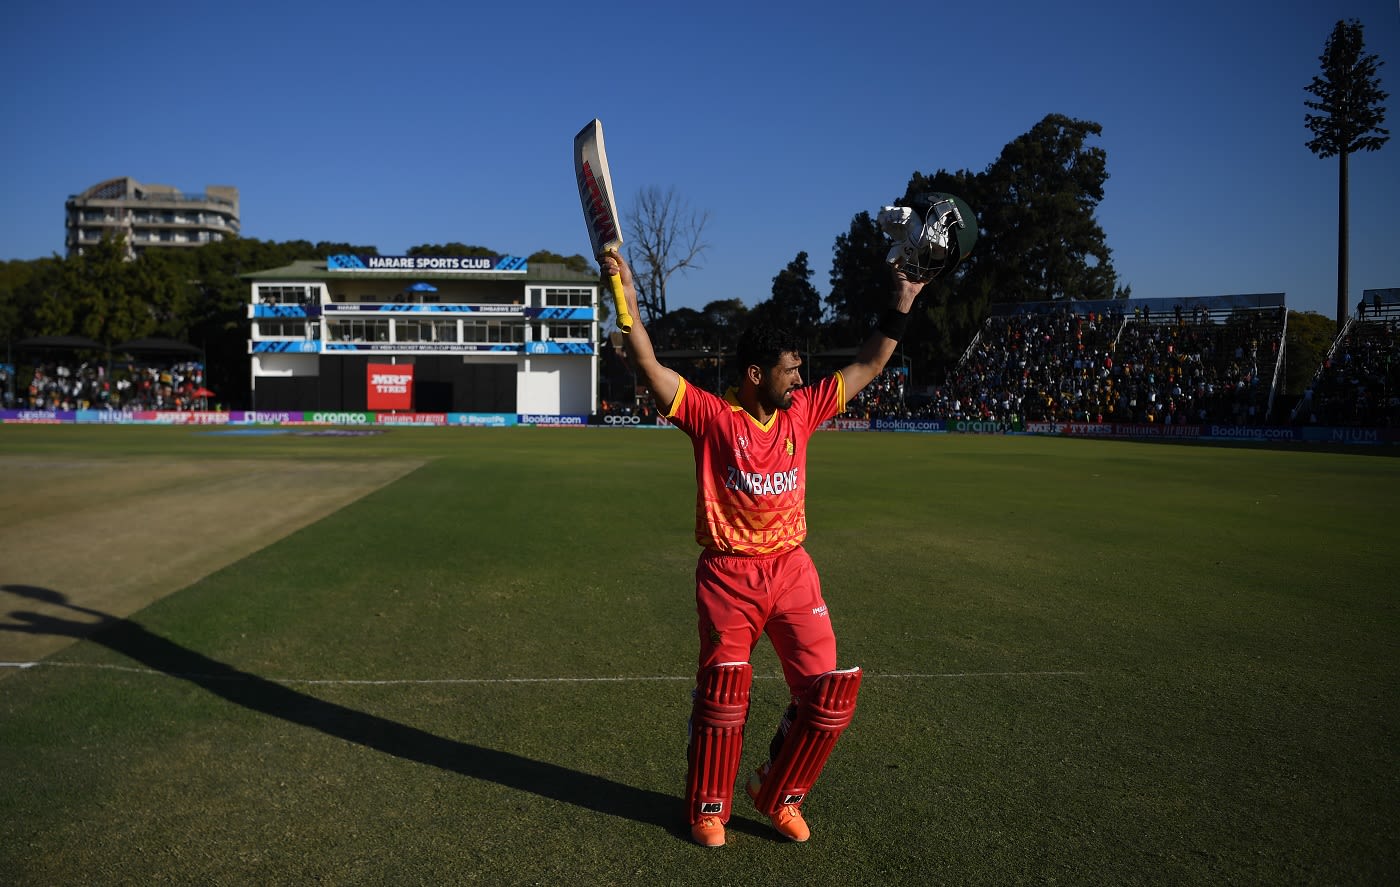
{"points": [[763, 345]]}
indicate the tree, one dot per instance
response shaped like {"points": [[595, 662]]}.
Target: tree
{"points": [[860, 279], [324, 248], [1036, 206], [725, 317], [1348, 96], [1310, 336], [575, 262], [451, 249], [18, 296], [795, 303], [97, 297], [663, 237], [1038, 241]]}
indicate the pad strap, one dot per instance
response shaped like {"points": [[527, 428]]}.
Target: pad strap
{"points": [[716, 738], [823, 713]]}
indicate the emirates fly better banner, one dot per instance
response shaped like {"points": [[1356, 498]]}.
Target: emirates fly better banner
{"points": [[389, 386]]}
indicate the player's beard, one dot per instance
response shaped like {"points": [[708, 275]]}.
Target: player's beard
{"points": [[776, 401]]}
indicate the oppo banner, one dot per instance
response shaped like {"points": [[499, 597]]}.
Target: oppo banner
{"points": [[389, 386], [628, 420]]}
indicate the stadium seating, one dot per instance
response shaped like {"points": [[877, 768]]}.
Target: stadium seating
{"points": [[1188, 361], [1358, 383], [129, 386]]}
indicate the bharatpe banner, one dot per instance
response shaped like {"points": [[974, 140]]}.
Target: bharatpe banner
{"points": [[389, 386], [481, 420]]}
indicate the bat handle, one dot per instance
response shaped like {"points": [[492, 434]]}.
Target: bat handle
{"points": [[624, 317]]}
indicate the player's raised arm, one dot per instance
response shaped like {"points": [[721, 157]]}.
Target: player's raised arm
{"points": [[661, 381], [879, 347]]}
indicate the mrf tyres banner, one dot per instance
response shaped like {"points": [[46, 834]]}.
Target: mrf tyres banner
{"points": [[389, 386]]}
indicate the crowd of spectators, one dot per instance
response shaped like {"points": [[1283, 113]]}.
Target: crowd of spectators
{"points": [[884, 396], [1062, 365], [58, 385], [1359, 382]]}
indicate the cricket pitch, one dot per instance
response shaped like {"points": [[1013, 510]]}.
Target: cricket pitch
{"points": [[114, 535]]}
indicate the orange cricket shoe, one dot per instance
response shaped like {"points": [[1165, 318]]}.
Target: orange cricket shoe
{"points": [[708, 832], [788, 818]]}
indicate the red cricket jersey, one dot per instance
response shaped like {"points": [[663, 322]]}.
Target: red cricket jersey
{"points": [[751, 479]]}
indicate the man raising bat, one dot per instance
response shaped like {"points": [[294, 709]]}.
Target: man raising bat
{"points": [[753, 576]]}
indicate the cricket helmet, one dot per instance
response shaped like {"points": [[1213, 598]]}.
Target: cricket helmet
{"points": [[931, 236]]}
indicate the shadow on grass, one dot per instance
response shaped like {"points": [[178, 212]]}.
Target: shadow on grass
{"points": [[259, 694]]}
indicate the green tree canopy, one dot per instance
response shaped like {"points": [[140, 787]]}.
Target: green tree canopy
{"points": [[1036, 203], [795, 303], [725, 318], [1310, 336], [1039, 240], [451, 249], [575, 262], [860, 280]]}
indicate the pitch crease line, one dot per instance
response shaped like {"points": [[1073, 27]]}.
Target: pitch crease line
{"points": [[387, 682]]}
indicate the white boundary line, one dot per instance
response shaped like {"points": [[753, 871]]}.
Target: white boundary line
{"points": [[349, 682]]}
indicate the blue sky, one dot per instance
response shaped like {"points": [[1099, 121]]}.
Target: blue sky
{"points": [[427, 122]]}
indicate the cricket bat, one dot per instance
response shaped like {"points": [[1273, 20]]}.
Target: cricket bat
{"points": [[595, 191]]}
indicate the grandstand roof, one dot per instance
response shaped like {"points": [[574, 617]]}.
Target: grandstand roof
{"points": [[315, 269], [1213, 303], [60, 343]]}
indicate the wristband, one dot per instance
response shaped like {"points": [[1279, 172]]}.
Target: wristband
{"points": [[893, 323]]}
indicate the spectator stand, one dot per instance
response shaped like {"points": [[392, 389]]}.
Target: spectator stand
{"points": [[77, 373], [1190, 360], [1358, 382], [160, 374], [59, 373]]}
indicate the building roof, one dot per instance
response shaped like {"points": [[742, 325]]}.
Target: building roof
{"points": [[125, 188], [315, 270]]}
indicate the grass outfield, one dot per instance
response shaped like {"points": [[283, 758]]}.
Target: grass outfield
{"points": [[1087, 663]]}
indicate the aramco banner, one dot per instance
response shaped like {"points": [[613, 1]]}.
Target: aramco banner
{"points": [[389, 386]]}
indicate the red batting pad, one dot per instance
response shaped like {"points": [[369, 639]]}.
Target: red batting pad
{"points": [[717, 738], [824, 711]]}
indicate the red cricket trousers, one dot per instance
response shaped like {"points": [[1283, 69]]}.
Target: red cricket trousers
{"points": [[738, 598]]}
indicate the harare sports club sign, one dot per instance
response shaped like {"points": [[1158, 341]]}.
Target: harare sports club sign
{"points": [[412, 264]]}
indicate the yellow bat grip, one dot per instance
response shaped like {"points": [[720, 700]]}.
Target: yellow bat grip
{"points": [[624, 319]]}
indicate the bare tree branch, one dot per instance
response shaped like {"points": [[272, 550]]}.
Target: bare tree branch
{"points": [[663, 238]]}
